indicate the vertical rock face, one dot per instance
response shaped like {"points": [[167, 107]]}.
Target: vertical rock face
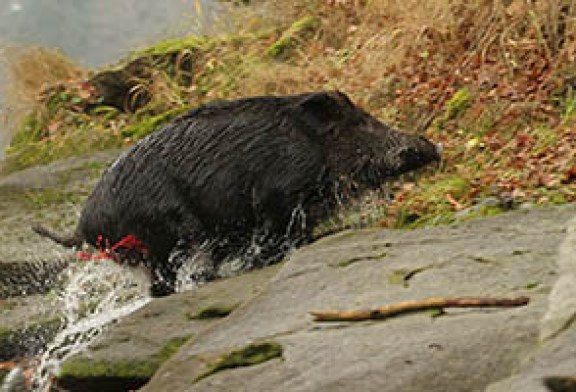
{"points": [[561, 313]]}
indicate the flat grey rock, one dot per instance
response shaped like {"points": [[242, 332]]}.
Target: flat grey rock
{"points": [[510, 255]]}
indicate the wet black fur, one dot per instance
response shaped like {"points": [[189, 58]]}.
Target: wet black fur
{"points": [[228, 169]]}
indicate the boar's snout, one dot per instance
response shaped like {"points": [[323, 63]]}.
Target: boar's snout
{"points": [[413, 153]]}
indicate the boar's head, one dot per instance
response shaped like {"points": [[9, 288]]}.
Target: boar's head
{"points": [[357, 146]]}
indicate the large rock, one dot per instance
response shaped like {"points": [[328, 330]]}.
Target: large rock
{"points": [[270, 343], [464, 350], [129, 353]]}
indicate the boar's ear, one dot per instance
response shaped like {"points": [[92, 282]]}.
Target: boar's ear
{"points": [[323, 112]]}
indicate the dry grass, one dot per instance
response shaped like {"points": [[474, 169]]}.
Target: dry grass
{"points": [[360, 49], [29, 71], [493, 80]]}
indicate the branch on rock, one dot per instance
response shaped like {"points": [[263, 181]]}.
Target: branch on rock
{"points": [[413, 306]]}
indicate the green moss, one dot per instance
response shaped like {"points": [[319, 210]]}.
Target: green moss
{"points": [[402, 276], [252, 354], [176, 45], [298, 30], [170, 348], [347, 262], [558, 198], [79, 141], [26, 338], [213, 311], [82, 368], [87, 368], [455, 185], [442, 216], [150, 123], [436, 312], [280, 46], [532, 285], [546, 138], [43, 198], [30, 131], [306, 23], [459, 102], [484, 211], [434, 194]]}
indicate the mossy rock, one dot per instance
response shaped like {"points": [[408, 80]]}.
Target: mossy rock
{"points": [[213, 311], [84, 374], [250, 355], [27, 340]]}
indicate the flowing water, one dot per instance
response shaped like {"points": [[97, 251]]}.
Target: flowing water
{"points": [[96, 293]]}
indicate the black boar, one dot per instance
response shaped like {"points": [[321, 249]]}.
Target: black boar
{"points": [[227, 170]]}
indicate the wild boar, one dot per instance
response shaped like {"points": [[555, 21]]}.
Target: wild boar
{"points": [[228, 172]]}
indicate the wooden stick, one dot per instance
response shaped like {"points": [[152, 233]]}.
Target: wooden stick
{"points": [[412, 306]]}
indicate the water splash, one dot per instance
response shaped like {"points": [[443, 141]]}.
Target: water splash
{"points": [[298, 218], [96, 293], [264, 248]]}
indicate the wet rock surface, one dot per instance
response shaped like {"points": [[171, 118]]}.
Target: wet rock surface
{"points": [[463, 350]]}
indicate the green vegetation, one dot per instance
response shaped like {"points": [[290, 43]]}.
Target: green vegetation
{"points": [[82, 368], [353, 260], [532, 285], [176, 45], [457, 104], [20, 339], [402, 276], [44, 198], [213, 311], [492, 84], [250, 355], [289, 40], [150, 123]]}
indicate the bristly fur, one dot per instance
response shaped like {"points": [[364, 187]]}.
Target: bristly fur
{"points": [[230, 169]]}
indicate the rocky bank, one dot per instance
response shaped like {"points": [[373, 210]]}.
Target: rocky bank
{"points": [[254, 332]]}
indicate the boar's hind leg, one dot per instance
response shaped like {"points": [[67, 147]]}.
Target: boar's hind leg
{"points": [[173, 254], [200, 267], [163, 282]]}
